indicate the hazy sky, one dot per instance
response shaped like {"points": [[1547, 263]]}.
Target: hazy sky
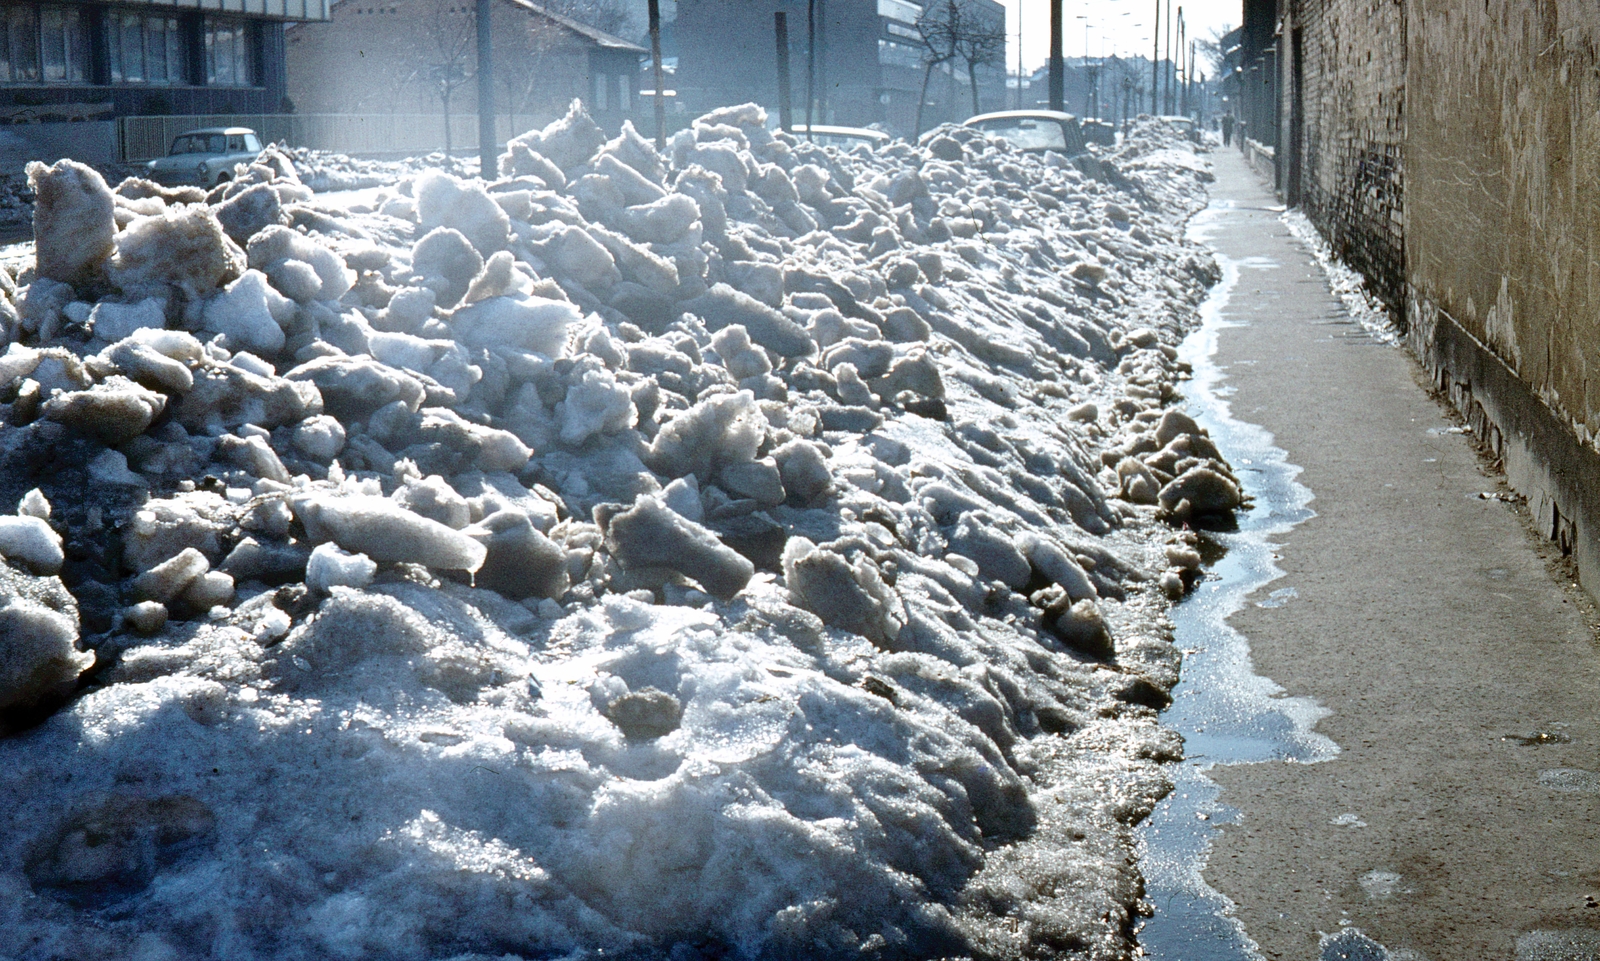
{"points": [[1115, 26]]}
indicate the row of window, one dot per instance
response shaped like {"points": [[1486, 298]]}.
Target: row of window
{"points": [[604, 84], [45, 43]]}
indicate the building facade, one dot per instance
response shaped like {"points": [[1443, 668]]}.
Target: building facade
{"points": [[75, 60], [869, 59], [420, 57]]}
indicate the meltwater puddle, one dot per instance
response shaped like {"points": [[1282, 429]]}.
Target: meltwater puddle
{"points": [[1226, 712]]}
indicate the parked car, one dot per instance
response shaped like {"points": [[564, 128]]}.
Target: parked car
{"points": [[1034, 131], [842, 137], [1102, 132], [205, 157], [1185, 126]]}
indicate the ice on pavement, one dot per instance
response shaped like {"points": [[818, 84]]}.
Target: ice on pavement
{"points": [[755, 550]]}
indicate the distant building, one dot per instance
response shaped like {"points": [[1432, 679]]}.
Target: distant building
{"points": [[420, 57], [869, 63], [70, 60]]}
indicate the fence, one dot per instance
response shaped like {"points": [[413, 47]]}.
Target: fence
{"points": [[145, 138]]}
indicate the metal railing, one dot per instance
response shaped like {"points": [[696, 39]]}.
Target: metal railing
{"points": [[145, 138]]}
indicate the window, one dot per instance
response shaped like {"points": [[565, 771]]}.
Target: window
{"points": [[602, 83], [902, 10], [899, 54], [230, 53], [145, 49], [43, 44], [624, 95]]}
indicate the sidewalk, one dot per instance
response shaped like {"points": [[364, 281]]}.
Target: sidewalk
{"points": [[1461, 671]]}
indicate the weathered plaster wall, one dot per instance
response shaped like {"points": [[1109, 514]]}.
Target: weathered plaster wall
{"points": [[1450, 150], [1503, 239]]}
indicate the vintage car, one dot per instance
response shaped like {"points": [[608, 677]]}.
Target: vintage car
{"points": [[842, 137], [205, 157], [1034, 131]]}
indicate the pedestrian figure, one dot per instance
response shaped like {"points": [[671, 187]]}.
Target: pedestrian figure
{"points": [[1227, 130]]}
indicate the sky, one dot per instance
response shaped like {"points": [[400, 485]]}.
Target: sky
{"points": [[1115, 26]]}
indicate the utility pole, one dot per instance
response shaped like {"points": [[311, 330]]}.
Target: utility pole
{"points": [[1057, 65], [488, 148], [657, 70], [780, 23], [811, 63], [1167, 71], [1155, 61], [822, 64], [1181, 84]]}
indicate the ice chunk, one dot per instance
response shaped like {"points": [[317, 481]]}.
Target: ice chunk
{"points": [[434, 498], [524, 321], [663, 221], [149, 367], [275, 248], [1198, 492], [39, 658], [33, 504], [446, 262], [574, 252], [249, 211], [739, 356], [644, 715], [996, 556], [171, 577], [595, 405], [109, 468], [113, 412], [73, 223], [386, 532], [408, 308], [209, 590], [320, 438], [250, 314], [522, 562], [111, 321], [851, 597], [498, 279], [650, 535], [722, 305], [444, 201], [804, 469], [31, 541], [226, 395], [353, 387], [330, 567], [683, 496], [1050, 560], [723, 429], [184, 247], [567, 142], [146, 617]]}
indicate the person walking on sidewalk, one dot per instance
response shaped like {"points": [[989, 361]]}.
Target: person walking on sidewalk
{"points": [[1227, 130]]}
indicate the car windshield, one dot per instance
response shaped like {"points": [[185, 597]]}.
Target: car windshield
{"points": [[199, 143], [843, 141], [1028, 133]]}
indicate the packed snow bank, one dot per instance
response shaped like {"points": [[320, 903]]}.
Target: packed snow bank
{"points": [[749, 551]]}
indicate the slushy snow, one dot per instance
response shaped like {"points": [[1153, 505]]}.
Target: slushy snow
{"points": [[752, 550]]}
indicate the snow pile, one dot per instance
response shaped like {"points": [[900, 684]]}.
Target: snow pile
{"points": [[324, 170], [1347, 284], [750, 551]]}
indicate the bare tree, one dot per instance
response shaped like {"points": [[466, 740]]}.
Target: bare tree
{"points": [[939, 27], [443, 48], [958, 30], [979, 42]]}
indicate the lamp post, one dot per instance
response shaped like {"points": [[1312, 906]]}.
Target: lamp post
{"points": [[1057, 64]]}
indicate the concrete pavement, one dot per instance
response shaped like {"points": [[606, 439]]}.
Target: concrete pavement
{"points": [[1458, 661]]}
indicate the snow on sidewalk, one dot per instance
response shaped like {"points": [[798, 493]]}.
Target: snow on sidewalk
{"points": [[752, 550]]}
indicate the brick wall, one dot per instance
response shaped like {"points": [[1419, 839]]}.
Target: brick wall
{"points": [[1343, 155]]}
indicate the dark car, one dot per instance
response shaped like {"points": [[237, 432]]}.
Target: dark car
{"points": [[842, 137], [1034, 131], [205, 157], [1046, 131]]}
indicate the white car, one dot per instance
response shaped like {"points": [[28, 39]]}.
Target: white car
{"points": [[205, 157]]}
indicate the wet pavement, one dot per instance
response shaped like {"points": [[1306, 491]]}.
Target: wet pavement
{"points": [[1390, 697]]}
